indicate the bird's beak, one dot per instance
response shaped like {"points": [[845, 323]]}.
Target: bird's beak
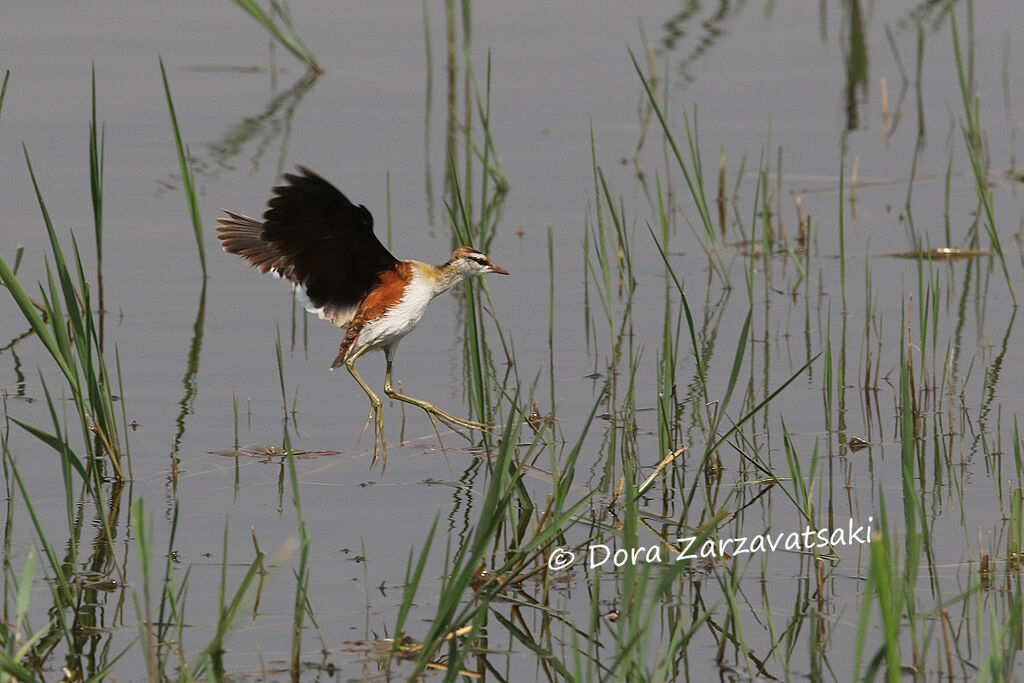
{"points": [[499, 271]]}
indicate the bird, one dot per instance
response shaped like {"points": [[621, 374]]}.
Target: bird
{"points": [[313, 237]]}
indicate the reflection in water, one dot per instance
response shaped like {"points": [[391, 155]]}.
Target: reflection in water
{"points": [[855, 62], [88, 594], [102, 581], [700, 31], [191, 387], [275, 121], [706, 34], [991, 377], [19, 384], [250, 137]]}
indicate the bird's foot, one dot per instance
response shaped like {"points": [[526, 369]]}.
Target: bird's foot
{"points": [[433, 411], [380, 444], [454, 422]]}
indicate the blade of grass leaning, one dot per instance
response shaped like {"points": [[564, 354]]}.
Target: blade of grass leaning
{"points": [[455, 615], [698, 356], [469, 556], [54, 442], [413, 576], [103, 673], [842, 214], [96, 145], [36, 321], [11, 662], [67, 330], [735, 427], [3, 89], [753, 411], [973, 142], [24, 590], [693, 177], [291, 38], [302, 573], [212, 656], [737, 364], [187, 181], [143, 611], [59, 583], [228, 614]]}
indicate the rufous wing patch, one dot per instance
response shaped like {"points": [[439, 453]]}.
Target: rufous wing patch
{"points": [[378, 302]]}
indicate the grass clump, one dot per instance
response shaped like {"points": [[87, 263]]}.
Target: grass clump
{"points": [[64, 321]]}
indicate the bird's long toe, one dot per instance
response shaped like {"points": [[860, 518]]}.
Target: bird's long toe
{"points": [[451, 420]]}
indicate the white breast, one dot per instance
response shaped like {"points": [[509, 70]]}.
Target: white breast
{"points": [[402, 318]]}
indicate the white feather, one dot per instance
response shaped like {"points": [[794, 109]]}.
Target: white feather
{"points": [[402, 318], [337, 315]]}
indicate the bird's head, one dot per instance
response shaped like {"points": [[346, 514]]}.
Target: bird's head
{"points": [[470, 262]]}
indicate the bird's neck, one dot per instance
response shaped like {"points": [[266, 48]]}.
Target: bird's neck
{"points": [[443, 278], [448, 276]]}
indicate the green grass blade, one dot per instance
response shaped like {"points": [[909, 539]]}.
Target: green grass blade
{"points": [[290, 39], [691, 327], [412, 581], [3, 89], [53, 442], [691, 175], [11, 666], [187, 181], [39, 327], [96, 143]]}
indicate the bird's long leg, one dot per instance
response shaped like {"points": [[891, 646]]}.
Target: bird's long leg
{"points": [[430, 408], [376, 411]]}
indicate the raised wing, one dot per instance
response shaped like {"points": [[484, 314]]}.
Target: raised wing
{"points": [[315, 237]]}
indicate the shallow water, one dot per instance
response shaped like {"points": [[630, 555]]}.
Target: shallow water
{"points": [[757, 80]]}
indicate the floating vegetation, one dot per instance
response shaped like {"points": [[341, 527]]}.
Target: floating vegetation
{"points": [[939, 254], [256, 451]]}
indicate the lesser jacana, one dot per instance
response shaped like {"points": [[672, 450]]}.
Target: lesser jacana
{"points": [[314, 237]]}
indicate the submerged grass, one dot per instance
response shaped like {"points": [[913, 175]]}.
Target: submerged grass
{"points": [[302, 603], [485, 572]]}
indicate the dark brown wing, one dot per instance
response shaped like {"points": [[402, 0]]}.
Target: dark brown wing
{"points": [[240, 235], [315, 237]]}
